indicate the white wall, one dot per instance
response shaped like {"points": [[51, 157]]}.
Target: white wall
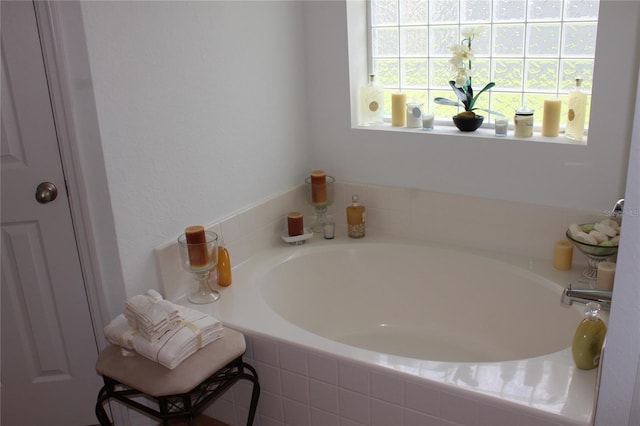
{"points": [[202, 110]]}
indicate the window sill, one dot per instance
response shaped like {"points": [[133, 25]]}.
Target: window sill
{"points": [[483, 133]]}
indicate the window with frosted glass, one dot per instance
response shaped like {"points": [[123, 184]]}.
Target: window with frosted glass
{"points": [[532, 49]]}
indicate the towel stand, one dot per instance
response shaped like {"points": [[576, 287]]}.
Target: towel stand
{"points": [[178, 394]]}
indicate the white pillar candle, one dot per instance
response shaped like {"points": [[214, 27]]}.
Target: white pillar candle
{"points": [[414, 114], [605, 276]]}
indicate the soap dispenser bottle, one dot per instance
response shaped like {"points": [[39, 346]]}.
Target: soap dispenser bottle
{"points": [[589, 338], [355, 218], [576, 111], [224, 265]]}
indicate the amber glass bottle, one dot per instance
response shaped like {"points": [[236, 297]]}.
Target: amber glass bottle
{"points": [[355, 218], [224, 265], [589, 338]]}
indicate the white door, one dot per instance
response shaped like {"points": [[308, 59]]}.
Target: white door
{"points": [[48, 347]]}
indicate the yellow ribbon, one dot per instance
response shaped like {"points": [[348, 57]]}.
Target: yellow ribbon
{"points": [[196, 330]]}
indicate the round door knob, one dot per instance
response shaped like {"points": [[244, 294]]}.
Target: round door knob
{"points": [[46, 192]]}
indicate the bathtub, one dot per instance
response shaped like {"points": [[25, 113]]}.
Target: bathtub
{"points": [[386, 331]]}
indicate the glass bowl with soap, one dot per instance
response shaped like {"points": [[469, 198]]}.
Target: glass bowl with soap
{"points": [[597, 240]]}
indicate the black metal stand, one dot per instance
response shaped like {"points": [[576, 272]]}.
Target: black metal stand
{"points": [[183, 406]]}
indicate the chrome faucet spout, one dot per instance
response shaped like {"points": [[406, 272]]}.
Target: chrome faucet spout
{"points": [[618, 208], [585, 295]]}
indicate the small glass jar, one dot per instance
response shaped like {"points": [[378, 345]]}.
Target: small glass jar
{"points": [[414, 114], [523, 122]]}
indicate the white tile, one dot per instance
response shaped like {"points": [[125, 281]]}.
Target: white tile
{"points": [[416, 418], [322, 418], [323, 368], [349, 422], [387, 388], [354, 406], [459, 409], [377, 197], [422, 397], [295, 386], [323, 396], [491, 415], [377, 219], [353, 377], [293, 358], [527, 420], [265, 350], [385, 414], [270, 405], [269, 377], [230, 229], [268, 421], [296, 414], [224, 411]]}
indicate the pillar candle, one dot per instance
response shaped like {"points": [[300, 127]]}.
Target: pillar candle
{"points": [[318, 187], [295, 224], [562, 255], [605, 276], [551, 117], [197, 246], [398, 109]]}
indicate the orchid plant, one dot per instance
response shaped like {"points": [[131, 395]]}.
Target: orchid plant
{"points": [[461, 64]]}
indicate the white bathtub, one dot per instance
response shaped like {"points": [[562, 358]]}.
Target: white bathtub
{"points": [[485, 335]]}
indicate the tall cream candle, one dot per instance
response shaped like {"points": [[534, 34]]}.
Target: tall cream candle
{"points": [[605, 276], [551, 117], [398, 109]]}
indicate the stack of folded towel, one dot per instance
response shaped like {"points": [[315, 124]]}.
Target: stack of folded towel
{"points": [[162, 331], [152, 315]]}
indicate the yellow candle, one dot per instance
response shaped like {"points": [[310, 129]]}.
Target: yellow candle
{"points": [[562, 255], [551, 117], [605, 276], [398, 109]]}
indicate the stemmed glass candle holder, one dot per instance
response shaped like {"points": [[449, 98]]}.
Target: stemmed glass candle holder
{"points": [[199, 255], [319, 193]]}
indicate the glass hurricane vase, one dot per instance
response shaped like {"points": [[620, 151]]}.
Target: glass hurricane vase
{"points": [[200, 259]]}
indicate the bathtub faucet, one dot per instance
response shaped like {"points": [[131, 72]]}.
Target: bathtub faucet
{"points": [[585, 295], [618, 208]]}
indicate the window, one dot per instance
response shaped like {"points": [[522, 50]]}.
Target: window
{"points": [[532, 49]]}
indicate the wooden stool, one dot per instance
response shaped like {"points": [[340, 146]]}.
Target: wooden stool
{"points": [[180, 393]]}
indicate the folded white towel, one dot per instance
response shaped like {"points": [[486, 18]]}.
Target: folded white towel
{"points": [[151, 315], [196, 331]]}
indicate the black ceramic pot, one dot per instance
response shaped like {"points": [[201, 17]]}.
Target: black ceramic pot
{"points": [[468, 124]]}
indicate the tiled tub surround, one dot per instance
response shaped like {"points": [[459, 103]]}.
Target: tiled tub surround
{"points": [[307, 379]]}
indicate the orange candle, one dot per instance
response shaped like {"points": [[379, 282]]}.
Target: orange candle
{"points": [[318, 187], [197, 241], [295, 224]]}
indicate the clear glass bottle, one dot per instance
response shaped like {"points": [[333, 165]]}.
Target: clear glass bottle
{"points": [[371, 103], [589, 338], [224, 265], [576, 111], [355, 218]]}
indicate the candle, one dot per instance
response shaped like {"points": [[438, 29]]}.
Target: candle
{"points": [[562, 255], [427, 121], [551, 117], [197, 246], [318, 187], [398, 109], [605, 276], [502, 124], [295, 224]]}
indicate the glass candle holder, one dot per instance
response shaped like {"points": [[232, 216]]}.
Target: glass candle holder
{"points": [[200, 259], [319, 204]]}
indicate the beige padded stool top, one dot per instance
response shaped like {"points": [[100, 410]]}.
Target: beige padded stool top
{"points": [[156, 380]]}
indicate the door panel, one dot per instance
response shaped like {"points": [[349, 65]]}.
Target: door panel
{"points": [[48, 347]]}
